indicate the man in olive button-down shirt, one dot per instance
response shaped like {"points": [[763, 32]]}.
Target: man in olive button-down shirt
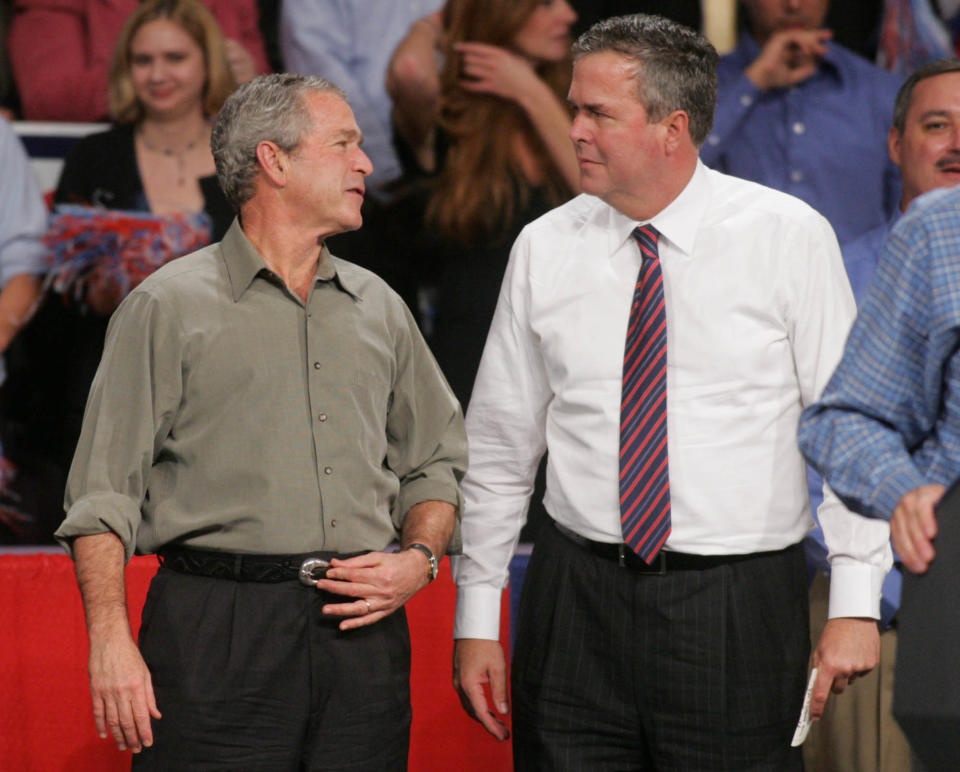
{"points": [[263, 398]]}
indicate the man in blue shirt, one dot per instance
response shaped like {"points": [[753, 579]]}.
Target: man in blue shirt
{"points": [[924, 142], [350, 43], [886, 431], [806, 116]]}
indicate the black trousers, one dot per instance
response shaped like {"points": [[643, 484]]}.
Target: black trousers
{"points": [[692, 671], [253, 677]]}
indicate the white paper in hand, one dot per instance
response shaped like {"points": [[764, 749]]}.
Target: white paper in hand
{"points": [[803, 725]]}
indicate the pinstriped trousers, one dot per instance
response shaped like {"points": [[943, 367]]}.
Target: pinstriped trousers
{"points": [[693, 671]]}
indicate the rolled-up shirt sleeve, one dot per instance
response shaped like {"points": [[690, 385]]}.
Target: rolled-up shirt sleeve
{"points": [[132, 405], [426, 441]]}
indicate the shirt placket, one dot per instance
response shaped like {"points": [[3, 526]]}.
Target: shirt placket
{"points": [[795, 141], [320, 411]]}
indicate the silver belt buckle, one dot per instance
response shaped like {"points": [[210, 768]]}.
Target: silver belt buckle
{"points": [[312, 570]]}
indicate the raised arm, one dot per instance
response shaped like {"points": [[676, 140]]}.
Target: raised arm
{"points": [[493, 70], [413, 84]]}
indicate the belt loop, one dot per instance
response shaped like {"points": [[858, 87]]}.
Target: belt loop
{"points": [[238, 567], [621, 559]]}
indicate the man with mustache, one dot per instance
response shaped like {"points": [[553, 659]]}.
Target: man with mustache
{"points": [[858, 731], [268, 419], [804, 115]]}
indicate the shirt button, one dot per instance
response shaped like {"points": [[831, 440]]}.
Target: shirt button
{"points": [[316, 365], [328, 470], [746, 100], [796, 176], [333, 523], [713, 139], [799, 128], [322, 417]]}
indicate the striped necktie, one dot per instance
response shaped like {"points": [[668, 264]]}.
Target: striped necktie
{"points": [[644, 479]]}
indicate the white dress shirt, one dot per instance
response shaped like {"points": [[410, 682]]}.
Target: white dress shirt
{"points": [[758, 309]]}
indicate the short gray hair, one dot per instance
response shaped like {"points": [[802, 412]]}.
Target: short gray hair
{"points": [[676, 68], [270, 107]]}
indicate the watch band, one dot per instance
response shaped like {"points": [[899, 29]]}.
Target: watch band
{"points": [[434, 567]]}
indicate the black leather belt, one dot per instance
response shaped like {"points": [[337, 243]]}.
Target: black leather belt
{"points": [[665, 560], [306, 567]]}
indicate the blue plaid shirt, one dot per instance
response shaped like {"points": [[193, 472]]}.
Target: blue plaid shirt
{"points": [[889, 418]]}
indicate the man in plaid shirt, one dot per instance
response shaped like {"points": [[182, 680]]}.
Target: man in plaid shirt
{"points": [[886, 431]]}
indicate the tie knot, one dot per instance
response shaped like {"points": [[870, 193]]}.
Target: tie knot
{"points": [[647, 237]]}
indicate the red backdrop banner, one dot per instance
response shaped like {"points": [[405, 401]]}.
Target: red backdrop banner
{"points": [[46, 724]]}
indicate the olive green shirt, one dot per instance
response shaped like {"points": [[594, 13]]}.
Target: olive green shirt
{"points": [[226, 414]]}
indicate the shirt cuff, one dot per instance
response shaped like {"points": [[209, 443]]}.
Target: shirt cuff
{"points": [[901, 480], [890, 602], [22, 256], [478, 613], [100, 513], [855, 589]]}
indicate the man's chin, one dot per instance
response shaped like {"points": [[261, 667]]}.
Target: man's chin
{"points": [[590, 186], [352, 222]]}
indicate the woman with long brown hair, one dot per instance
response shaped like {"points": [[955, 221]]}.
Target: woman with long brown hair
{"points": [[491, 128]]}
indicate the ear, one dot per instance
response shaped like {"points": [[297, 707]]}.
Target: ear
{"points": [[676, 127], [893, 144], [273, 162]]}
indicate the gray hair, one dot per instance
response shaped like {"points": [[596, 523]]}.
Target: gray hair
{"points": [[905, 95], [676, 68], [270, 107]]}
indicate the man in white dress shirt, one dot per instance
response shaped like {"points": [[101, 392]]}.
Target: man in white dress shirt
{"points": [[685, 649]]}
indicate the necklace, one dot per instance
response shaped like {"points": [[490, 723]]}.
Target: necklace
{"points": [[177, 153]]}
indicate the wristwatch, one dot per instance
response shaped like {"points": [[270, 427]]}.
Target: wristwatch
{"points": [[434, 567]]}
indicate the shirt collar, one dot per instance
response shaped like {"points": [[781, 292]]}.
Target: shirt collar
{"points": [[244, 263], [677, 222]]}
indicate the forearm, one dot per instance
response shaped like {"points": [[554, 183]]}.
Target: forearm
{"points": [[120, 683], [16, 305], [429, 523], [100, 563], [382, 582], [551, 121], [414, 87]]}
